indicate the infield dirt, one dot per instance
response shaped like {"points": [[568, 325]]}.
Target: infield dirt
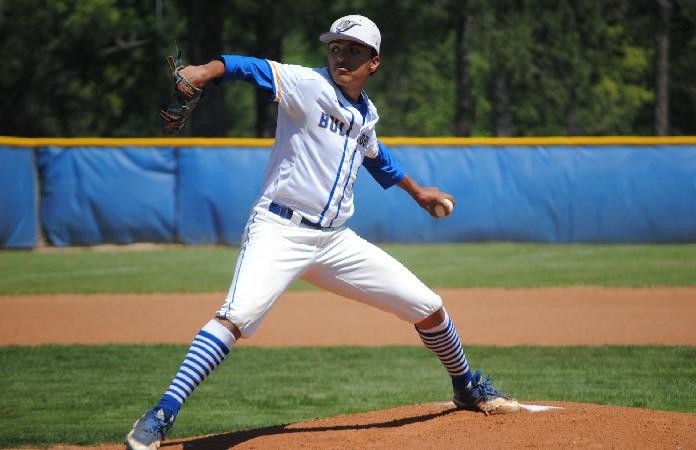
{"points": [[554, 316], [550, 316]]}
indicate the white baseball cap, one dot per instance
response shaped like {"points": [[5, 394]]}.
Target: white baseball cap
{"points": [[354, 28]]}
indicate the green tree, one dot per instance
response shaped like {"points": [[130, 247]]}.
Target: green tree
{"points": [[572, 68], [682, 87], [414, 89], [662, 67], [462, 23], [204, 36], [479, 67], [78, 67]]}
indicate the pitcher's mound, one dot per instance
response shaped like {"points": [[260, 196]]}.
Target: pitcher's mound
{"points": [[440, 426]]}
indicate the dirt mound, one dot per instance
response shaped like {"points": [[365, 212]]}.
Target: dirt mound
{"points": [[440, 426]]}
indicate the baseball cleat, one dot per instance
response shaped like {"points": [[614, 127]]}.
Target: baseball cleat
{"points": [[149, 430], [483, 397]]}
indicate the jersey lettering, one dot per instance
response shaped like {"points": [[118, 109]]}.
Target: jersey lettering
{"points": [[337, 126], [332, 123]]}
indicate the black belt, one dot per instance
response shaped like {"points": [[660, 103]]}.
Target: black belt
{"points": [[286, 213]]}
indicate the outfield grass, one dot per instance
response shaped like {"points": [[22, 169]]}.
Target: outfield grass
{"points": [[90, 394], [209, 269]]}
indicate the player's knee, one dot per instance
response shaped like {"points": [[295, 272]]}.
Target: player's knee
{"points": [[434, 303], [230, 326], [432, 320], [426, 307], [245, 321]]}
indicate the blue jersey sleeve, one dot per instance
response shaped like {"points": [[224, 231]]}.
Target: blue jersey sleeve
{"points": [[253, 70], [384, 168]]}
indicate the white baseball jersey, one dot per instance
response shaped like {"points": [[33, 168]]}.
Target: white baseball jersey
{"points": [[321, 140]]}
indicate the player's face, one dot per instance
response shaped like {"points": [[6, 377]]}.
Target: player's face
{"points": [[351, 63]]}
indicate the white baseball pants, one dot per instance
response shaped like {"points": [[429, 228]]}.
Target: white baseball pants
{"points": [[277, 251]]}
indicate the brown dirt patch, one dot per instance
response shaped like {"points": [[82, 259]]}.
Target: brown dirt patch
{"points": [[556, 316], [439, 426], [436, 426]]}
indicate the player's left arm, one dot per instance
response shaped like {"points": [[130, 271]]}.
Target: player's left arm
{"points": [[293, 87], [387, 171]]}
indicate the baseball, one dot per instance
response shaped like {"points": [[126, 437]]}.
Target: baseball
{"points": [[443, 209]]}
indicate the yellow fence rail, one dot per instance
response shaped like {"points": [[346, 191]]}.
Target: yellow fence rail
{"points": [[402, 141]]}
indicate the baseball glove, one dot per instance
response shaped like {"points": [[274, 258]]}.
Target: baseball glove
{"points": [[186, 98]]}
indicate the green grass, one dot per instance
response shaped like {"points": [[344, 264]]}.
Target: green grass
{"points": [[90, 394], [537, 265], [208, 269]]}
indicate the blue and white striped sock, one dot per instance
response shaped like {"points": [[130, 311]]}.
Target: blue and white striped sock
{"points": [[444, 342], [208, 350]]}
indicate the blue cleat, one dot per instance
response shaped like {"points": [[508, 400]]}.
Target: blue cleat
{"points": [[483, 397], [149, 430]]}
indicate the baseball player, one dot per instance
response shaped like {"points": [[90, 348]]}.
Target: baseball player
{"points": [[296, 229]]}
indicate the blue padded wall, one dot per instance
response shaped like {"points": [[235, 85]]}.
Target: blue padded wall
{"points": [[107, 194], [202, 195], [540, 194], [18, 227], [217, 187]]}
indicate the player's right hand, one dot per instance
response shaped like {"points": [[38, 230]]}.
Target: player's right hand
{"points": [[430, 197]]}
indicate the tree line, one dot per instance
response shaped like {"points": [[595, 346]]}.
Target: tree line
{"points": [[449, 67]]}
